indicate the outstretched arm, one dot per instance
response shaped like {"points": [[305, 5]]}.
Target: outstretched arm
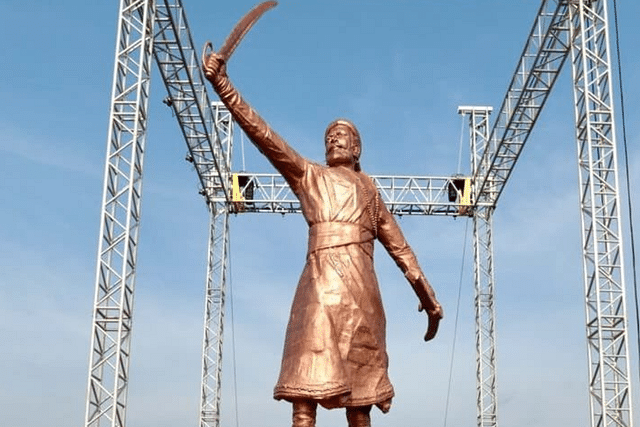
{"points": [[284, 158], [393, 240]]}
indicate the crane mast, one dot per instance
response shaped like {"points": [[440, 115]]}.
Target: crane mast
{"points": [[563, 28]]}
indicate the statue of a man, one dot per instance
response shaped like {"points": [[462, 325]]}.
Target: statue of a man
{"points": [[335, 351]]}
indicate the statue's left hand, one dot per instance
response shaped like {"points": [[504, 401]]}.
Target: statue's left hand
{"points": [[429, 303], [435, 314], [438, 311]]}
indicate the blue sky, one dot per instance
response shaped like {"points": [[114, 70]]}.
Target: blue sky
{"points": [[399, 70]]}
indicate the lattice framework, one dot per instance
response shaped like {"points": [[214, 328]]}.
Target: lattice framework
{"points": [[484, 279], [606, 319], [120, 218], [402, 195], [217, 267], [544, 54]]}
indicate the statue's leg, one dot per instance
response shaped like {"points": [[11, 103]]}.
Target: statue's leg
{"points": [[304, 413], [358, 416]]}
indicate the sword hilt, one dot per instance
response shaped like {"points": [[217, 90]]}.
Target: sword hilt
{"points": [[206, 51]]}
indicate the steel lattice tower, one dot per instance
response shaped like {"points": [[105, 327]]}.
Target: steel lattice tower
{"points": [[217, 265], [562, 29], [606, 319], [486, 393], [120, 218]]}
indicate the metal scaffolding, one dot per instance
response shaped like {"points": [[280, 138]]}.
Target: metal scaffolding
{"points": [[120, 218], [403, 195], [544, 53], [561, 28], [606, 319], [486, 384], [217, 266]]}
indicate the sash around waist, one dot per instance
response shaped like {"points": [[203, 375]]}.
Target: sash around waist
{"points": [[324, 235]]}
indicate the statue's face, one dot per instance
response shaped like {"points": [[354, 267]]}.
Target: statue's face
{"points": [[340, 147]]}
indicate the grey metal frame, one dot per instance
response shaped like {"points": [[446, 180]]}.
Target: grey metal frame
{"points": [[484, 279], [562, 26], [208, 131], [214, 315], [543, 56], [120, 218], [602, 246], [217, 267], [493, 158], [402, 195], [179, 66]]}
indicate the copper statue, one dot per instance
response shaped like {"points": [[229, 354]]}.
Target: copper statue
{"points": [[334, 351]]}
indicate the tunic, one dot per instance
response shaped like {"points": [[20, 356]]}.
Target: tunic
{"points": [[335, 345]]}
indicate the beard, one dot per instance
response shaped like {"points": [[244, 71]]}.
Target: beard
{"points": [[340, 156]]}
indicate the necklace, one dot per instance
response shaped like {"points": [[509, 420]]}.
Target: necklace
{"points": [[372, 211]]}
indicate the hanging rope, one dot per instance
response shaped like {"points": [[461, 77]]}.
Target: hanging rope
{"points": [[455, 326], [463, 116], [627, 176]]}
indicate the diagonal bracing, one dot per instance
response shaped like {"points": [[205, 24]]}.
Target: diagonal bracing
{"points": [[561, 26], [543, 56], [403, 195], [120, 219], [603, 268]]}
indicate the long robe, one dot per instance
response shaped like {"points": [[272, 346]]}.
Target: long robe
{"points": [[335, 346]]}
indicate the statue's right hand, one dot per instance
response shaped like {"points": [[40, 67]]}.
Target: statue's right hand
{"points": [[214, 66]]}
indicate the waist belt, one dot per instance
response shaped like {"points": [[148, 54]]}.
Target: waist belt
{"points": [[331, 234]]}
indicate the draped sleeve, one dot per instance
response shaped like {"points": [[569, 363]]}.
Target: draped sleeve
{"points": [[391, 237], [280, 154]]}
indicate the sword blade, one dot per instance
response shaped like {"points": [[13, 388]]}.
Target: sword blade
{"points": [[242, 27]]}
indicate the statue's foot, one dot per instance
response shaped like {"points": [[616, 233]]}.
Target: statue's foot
{"points": [[304, 414], [359, 416]]}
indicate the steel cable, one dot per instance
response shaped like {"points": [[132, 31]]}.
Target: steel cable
{"points": [[455, 325], [627, 177]]}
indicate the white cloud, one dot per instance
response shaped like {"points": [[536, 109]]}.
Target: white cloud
{"points": [[44, 150]]}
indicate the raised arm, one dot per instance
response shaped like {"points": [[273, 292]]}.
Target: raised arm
{"points": [[284, 158], [391, 237]]}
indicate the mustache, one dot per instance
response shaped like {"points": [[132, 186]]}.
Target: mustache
{"points": [[333, 147]]}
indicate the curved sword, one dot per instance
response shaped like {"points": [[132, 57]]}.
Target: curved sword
{"points": [[239, 31]]}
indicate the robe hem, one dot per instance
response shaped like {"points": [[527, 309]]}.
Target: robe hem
{"points": [[336, 397]]}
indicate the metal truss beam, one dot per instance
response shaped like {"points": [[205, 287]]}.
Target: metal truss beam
{"points": [[606, 319], [403, 195], [120, 218], [208, 131], [179, 66], [545, 52], [486, 384], [562, 26], [214, 315]]}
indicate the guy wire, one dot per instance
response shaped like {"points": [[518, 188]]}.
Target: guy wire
{"points": [[460, 145], [455, 325], [628, 180]]}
